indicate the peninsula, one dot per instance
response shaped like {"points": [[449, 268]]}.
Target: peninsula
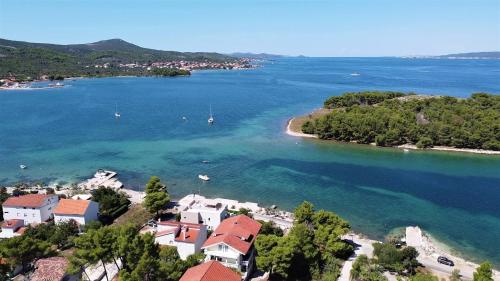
{"points": [[409, 121], [24, 61]]}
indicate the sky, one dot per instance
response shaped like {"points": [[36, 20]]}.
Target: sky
{"points": [[288, 27]]}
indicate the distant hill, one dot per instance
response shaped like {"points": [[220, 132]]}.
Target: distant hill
{"points": [[475, 55], [262, 56], [35, 59]]}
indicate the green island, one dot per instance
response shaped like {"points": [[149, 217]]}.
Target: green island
{"points": [[392, 119], [25, 61]]}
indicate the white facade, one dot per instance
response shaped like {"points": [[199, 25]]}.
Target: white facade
{"points": [[187, 238], [91, 214], [209, 215], [232, 258], [32, 214], [10, 228]]}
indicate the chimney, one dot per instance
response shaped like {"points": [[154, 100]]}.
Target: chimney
{"points": [[184, 230]]}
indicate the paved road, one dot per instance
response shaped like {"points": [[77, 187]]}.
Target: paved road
{"points": [[364, 247]]}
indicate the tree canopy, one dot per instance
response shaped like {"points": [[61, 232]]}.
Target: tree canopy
{"points": [[312, 249], [157, 196], [390, 119], [484, 272]]}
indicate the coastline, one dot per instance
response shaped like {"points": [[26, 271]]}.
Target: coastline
{"points": [[295, 133], [429, 248], [290, 132]]}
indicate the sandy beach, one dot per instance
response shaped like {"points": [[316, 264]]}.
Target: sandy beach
{"points": [[296, 134], [453, 149]]}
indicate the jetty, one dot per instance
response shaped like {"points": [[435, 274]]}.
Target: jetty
{"points": [[103, 178]]}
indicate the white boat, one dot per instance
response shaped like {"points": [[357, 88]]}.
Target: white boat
{"points": [[210, 118], [203, 177], [355, 74], [406, 150], [117, 114], [23, 166], [205, 161], [184, 118]]}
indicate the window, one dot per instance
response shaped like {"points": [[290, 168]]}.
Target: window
{"points": [[223, 248]]}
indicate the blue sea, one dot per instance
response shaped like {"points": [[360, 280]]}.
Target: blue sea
{"points": [[65, 134]]}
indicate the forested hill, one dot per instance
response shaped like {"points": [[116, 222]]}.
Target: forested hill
{"points": [[392, 118], [34, 59], [480, 55]]}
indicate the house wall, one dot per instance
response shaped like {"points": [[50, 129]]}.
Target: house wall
{"points": [[229, 258], [32, 215], [92, 213], [7, 233], [210, 218], [167, 239], [185, 249], [64, 218]]}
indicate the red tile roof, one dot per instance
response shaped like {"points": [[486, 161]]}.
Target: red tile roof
{"points": [[238, 232], [12, 223], [191, 231], [210, 271], [50, 269], [71, 207], [28, 200]]}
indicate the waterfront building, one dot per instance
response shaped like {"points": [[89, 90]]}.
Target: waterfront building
{"points": [[231, 244], [186, 237], [197, 211], [31, 208], [81, 211]]}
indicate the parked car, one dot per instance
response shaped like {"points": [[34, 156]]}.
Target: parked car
{"points": [[445, 260]]}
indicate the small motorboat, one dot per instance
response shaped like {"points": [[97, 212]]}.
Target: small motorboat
{"points": [[23, 167], [184, 118], [205, 161], [406, 150], [355, 74], [203, 177]]}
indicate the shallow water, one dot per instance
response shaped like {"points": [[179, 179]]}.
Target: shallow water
{"points": [[66, 134]]}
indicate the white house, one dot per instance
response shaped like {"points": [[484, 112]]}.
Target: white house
{"points": [[232, 244], [30, 208], [186, 237], [82, 211], [11, 228], [200, 212]]}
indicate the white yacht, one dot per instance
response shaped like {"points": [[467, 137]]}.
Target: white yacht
{"points": [[117, 114], [203, 177], [23, 166], [210, 118]]}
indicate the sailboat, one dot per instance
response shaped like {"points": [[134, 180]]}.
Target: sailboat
{"points": [[117, 114], [210, 118]]}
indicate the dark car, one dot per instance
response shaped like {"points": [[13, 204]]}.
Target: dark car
{"points": [[445, 260]]}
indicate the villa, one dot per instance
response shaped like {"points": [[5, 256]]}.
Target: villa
{"points": [[232, 244], [31, 208], [196, 211], [81, 211], [23, 210], [186, 237]]}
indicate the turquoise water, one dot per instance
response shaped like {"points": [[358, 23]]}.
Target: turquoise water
{"points": [[66, 134]]}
